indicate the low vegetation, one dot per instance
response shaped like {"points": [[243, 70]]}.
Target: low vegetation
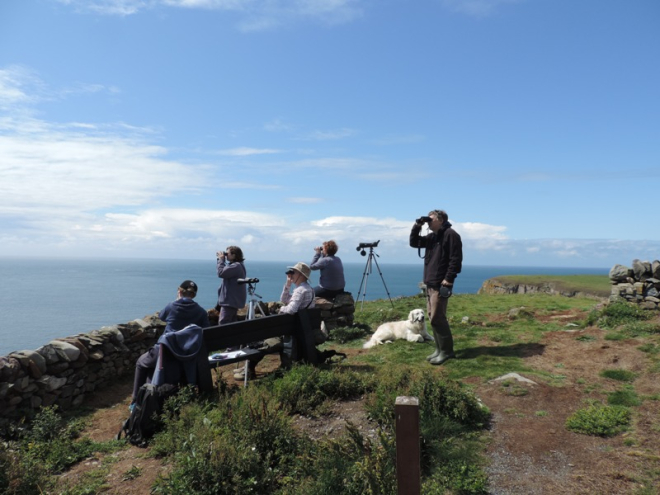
{"points": [[598, 285], [246, 440]]}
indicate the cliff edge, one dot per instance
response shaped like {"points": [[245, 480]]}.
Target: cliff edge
{"points": [[592, 287]]}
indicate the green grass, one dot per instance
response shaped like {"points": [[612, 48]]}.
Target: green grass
{"points": [[598, 285], [242, 440]]}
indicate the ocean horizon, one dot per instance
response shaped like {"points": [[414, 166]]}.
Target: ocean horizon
{"points": [[45, 299]]}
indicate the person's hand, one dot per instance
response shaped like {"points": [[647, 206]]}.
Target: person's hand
{"points": [[220, 255], [318, 249]]}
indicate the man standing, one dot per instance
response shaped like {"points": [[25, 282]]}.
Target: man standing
{"points": [[442, 263]]}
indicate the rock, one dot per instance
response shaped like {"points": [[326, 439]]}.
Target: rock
{"points": [[641, 270], [620, 273], [51, 383], [655, 269], [65, 351], [513, 376]]}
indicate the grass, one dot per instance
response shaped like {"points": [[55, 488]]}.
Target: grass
{"points": [[243, 441], [598, 285]]}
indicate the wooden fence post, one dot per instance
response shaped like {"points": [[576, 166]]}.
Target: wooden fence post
{"points": [[408, 470]]}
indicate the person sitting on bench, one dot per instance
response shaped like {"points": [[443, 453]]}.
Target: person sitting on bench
{"points": [[301, 298], [177, 315]]}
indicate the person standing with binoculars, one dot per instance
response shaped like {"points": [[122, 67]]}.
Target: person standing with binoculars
{"points": [[443, 259], [231, 295]]}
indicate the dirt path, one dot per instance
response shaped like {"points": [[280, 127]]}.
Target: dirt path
{"points": [[530, 450]]}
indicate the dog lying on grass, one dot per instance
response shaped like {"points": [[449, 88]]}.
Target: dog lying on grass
{"points": [[413, 330]]}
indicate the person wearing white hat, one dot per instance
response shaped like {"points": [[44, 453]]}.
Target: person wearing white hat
{"points": [[303, 295], [301, 298]]}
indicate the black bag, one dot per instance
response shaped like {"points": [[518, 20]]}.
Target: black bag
{"points": [[144, 419]]}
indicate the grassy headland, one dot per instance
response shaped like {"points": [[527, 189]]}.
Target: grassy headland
{"points": [[597, 285], [249, 441]]}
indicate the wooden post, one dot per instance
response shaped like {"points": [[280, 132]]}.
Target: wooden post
{"points": [[408, 470]]}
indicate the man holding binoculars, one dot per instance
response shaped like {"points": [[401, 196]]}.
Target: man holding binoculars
{"points": [[442, 263]]}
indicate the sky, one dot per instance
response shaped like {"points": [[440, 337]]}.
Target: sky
{"points": [[171, 129]]}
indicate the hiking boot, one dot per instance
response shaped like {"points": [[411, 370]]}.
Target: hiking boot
{"points": [[239, 374]]}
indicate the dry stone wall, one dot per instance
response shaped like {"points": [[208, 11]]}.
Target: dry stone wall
{"points": [[638, 284], [64, 371]]}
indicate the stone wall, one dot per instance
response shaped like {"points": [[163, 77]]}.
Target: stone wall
{"points": [[65, 370], [639, 284]]}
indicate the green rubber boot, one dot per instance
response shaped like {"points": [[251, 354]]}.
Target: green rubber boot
{"points": [[437, 348], [446, 351]]}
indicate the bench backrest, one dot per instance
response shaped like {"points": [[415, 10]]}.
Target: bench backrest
{"points": [[300, 326]]}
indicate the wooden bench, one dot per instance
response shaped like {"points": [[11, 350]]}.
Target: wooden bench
{"points": [[299, 326]]}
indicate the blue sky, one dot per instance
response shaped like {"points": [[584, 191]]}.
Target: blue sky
{"points": [[174, 128]]}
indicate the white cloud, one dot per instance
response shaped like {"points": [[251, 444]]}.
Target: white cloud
{"points": [[243, 151], [478, 8], [330, 135], [305, 201], [257, 15]]}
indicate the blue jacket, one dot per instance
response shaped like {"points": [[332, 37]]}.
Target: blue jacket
{"points": [[178, 355], [183, 312], [332, 271]]}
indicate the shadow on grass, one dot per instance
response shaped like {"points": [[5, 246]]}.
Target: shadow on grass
{"points": [[515, 350]]}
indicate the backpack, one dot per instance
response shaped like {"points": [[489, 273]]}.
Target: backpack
{"points": [[144, 419]]}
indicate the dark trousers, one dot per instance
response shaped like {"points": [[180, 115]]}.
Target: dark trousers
{"points": [[327, 293], [144, 368], [228, 315]]}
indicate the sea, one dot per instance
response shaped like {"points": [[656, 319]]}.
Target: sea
{"points": [[46, 299]]}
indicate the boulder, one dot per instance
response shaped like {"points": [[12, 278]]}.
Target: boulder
{"points": [[655, 269], [642, 270], [620, 273]]}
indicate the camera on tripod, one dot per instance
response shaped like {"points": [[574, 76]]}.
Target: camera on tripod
{"points": [[364, 245], [248, 281]]}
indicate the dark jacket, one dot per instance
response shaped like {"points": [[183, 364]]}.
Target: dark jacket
{"points": [[444, 254], [178, 356], [183, 312]]}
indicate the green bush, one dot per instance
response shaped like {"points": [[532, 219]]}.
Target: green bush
{"points": [[626, 397], [619, 375], [616, 314], [351, 465], [437, 398], [244, 444], [599, 420], [305, 389]]}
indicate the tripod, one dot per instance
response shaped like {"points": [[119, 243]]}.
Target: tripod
{"points": [[367, 272], [253, 305]]}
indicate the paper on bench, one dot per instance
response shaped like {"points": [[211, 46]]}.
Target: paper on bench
{"points": [[228, 355]]}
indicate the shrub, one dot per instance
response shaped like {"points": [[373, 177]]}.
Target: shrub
{"points": [[352, 465], [305, 389], [599, 420], [626, 397], [617, 313], [437, 398], [619, 375]]}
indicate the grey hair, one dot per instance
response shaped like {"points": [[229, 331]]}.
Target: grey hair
{"points": [[440, 214]]}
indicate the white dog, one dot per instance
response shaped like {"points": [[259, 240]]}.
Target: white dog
{"points": [[413, 330]]}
